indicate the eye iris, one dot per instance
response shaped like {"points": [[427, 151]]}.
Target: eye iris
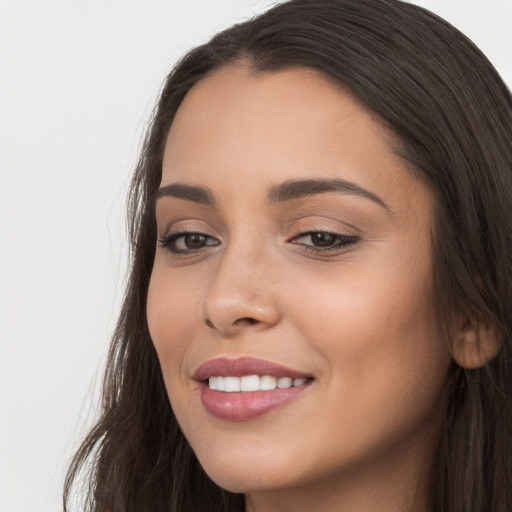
{"points": [[195, 241], [323, 239]]}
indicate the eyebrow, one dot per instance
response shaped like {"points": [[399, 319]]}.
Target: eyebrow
{"points": [[303, 188], [286, 191], [199, 195]]}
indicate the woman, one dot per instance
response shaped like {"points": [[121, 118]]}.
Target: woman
{"points": [[317, 312]]}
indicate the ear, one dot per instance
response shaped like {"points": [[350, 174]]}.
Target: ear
{"points": [[475, 343]]}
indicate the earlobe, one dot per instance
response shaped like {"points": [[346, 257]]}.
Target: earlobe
{"points": [[476, 343]]}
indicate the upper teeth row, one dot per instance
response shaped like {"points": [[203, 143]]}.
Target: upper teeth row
{"points": [[252, 383]]}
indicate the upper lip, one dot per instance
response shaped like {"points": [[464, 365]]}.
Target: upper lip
{"points": [[228, 367]]}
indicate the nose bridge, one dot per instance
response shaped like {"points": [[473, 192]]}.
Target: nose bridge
{"points": [[240, 292]]}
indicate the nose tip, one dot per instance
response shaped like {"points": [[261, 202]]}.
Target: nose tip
{"points": [[230, 318], [235, 301]]}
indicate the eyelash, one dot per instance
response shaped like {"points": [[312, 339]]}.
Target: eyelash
{"points": [[168, 241], [341, 242]]}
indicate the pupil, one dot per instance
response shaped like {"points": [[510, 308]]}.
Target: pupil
{"points": [[195, 241], [323, 239]]}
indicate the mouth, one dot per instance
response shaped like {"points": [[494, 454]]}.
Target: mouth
{"points": [[253, 383], [245, 388]]}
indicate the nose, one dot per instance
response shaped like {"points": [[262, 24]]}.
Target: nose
{"points": [[241, 294]]}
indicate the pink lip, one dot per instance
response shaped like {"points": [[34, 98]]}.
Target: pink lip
{"points": [[249, 404], [227, 367]]}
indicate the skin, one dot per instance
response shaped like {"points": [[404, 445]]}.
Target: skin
{"points": [[360, 319]]}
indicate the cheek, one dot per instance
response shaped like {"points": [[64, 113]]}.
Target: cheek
{"points": [[377, 332], [386, 367], [170, 313], [376, 305]]}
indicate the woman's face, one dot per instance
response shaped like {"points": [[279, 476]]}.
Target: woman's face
{"points": [[294, 244]]}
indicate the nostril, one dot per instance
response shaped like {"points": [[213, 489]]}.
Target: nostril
{"points": [[240, 321], [247, 320]]}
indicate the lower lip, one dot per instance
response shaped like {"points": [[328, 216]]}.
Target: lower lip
{"points": [[248, 404]]}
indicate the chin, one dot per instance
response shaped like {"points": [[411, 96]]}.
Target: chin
{"points": [[248, 471], [248, 481]]}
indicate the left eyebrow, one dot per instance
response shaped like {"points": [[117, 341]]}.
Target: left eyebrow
{"points": [[303, 188]]}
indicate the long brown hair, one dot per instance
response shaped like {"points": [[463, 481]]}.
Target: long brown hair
{"points": [[452, 114]]}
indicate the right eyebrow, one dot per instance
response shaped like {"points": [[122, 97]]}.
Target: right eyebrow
{"points": [[195, 194]]}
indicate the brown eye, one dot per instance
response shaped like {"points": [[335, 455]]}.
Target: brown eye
{"points": [[194, 240], [185, 243], [323, 239]]}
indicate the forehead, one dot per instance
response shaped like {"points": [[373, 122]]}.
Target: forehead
{"points": [[258, 129], [275, 108]]}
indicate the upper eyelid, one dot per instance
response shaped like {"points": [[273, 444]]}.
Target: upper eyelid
{"points": [[295, 230], [325, 223], [172, 221], [184, 226], [179, 233], [325, 231], [296, 222], [348, 231]]}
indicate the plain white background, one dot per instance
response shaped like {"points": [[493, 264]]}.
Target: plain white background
{"points": [[77, 83]]}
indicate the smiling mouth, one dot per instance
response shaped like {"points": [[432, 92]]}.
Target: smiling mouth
{"points": [[253, 383], [245, 388]]}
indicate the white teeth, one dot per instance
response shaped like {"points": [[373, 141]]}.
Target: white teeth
{"points": [[284, 382], [252, 383], [231, 384], [267, 382]]}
